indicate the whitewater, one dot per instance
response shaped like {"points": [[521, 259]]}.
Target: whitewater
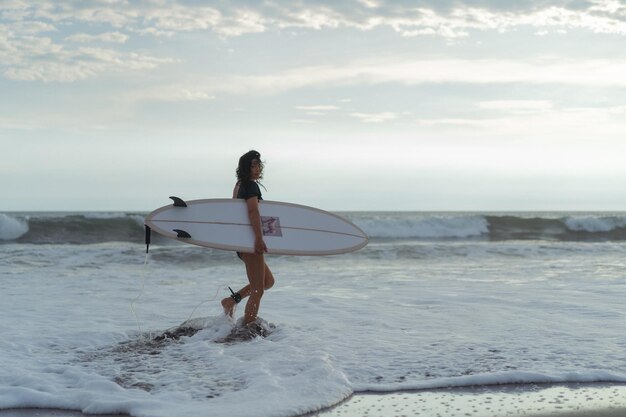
{"points": [[435, 300]]}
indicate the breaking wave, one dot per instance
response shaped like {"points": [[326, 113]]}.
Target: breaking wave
{"points": [[494, 227]]}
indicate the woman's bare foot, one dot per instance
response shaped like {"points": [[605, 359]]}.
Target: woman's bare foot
{"points": [[228, 304]]}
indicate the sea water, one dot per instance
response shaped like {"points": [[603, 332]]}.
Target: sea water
{"points": [[434, 300]]}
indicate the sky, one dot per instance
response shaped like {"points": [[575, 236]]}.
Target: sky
{"points": [[425, 105]]}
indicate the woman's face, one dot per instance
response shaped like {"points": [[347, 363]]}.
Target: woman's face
{"points": [[255, 169]]}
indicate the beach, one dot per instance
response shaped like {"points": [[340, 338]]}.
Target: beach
{"points": [[441, 312]]}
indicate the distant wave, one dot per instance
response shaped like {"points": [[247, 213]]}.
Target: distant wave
{"points": [[401, 225], [496, 227], [71, 228], [97, 227], [589, 227], [12, 228]]}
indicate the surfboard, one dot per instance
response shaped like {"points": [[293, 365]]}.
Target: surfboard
{"points": [[288, 229]]}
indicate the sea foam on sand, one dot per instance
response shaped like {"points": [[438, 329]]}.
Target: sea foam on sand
{"points": [[535, 400]]}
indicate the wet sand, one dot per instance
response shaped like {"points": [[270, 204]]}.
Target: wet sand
{"points": [[540, 400], [535, 400]]}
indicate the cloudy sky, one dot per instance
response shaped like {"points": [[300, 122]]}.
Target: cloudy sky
{"points": [[354, 105]]}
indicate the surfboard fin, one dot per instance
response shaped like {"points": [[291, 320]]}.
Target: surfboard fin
{"points": [[182, 234], [178, 202]]}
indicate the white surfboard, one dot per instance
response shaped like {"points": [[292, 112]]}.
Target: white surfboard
{"points": [[288, 229]]}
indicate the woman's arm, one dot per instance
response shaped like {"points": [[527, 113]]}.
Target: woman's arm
{"points": [[255, 220]]}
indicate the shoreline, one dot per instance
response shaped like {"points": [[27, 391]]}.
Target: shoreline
{"points": [[597, 399]]}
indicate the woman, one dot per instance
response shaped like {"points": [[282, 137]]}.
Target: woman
{"points": [[260, 278]]}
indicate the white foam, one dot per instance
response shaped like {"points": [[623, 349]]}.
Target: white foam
{"points": [[115, 215], [12, 228], [594, 224], [422, 225], [499, 378]]}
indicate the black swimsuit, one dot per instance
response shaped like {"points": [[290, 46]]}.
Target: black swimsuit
{"points": [[248, 189]]}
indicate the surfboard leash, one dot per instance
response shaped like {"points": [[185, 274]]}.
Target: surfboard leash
{"points": [[220, 287], [235, 295], [143, 285]]}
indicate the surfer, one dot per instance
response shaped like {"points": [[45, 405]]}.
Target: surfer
{"points": [[260, 278]]}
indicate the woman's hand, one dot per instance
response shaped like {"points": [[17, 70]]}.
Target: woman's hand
{"points": [[259, 246], [255, 220]]}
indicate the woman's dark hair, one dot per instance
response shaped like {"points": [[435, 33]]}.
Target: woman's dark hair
{"points": [[243, 169]]}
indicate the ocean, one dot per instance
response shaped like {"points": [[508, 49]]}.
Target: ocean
{"points": [[434, 300]]}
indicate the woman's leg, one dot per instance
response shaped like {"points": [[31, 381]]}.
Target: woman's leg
{"points": [[269, 278], [255, 268], [268, 281]]}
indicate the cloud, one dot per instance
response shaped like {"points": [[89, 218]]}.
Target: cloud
{"points": [[572, 124], [171, 93], [318, 108], [547, 72], [115, 13], [454, 123], [29, 51], [584, 72], [430, 18], [71, 65], [370, 3], [17, 124], [375, 117], [180, 18], [111, 37], [516, 106]]}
